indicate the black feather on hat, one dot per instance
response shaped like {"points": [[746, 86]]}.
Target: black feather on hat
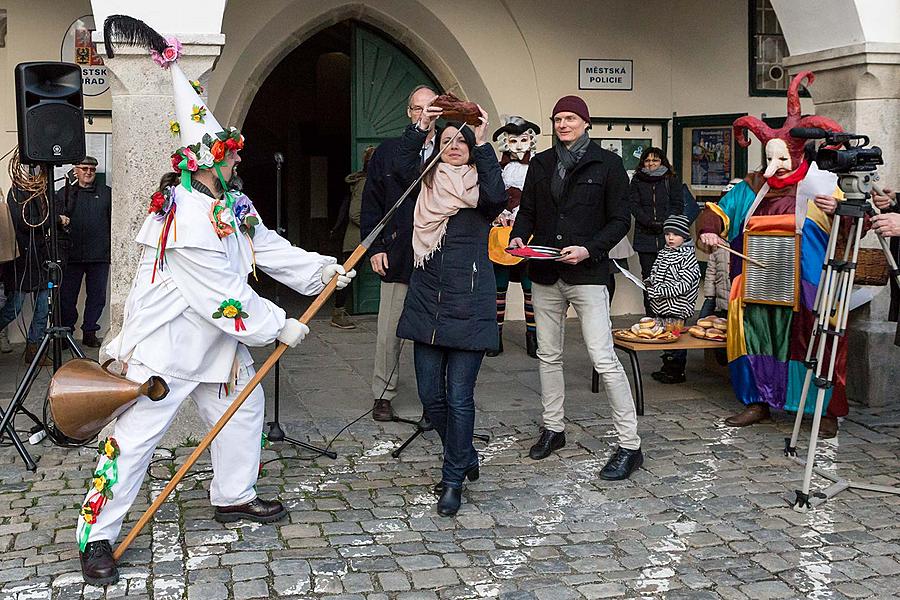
{"points": [[128, 31], [516, 126]]}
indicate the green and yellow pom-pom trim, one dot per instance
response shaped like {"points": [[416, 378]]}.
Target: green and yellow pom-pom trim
{"points": [[232, 309]]}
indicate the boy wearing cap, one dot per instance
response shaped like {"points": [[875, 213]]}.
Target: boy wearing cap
{"points": [[575, 198], [672, 288]]}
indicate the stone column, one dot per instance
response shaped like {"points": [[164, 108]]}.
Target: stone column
{"points": [[142, 107], [859, 87]]}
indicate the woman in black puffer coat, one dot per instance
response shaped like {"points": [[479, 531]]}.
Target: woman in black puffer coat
{"points": [[655, 196], [450, 309]]}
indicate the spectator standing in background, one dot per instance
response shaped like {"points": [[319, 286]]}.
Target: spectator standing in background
{"points": [[89, 210]]}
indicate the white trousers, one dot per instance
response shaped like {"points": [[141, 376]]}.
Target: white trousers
{"points": [[387, 344], [591, 303], [235, 451]]}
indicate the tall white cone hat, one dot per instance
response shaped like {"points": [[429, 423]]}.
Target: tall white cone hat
{"points": [[193, 116]]}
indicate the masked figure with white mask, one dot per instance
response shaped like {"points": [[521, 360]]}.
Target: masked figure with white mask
{"points": [[517, 142], [768, 337]]}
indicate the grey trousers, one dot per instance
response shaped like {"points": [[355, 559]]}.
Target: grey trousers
{"points": [[387, 344], [591, 303]]}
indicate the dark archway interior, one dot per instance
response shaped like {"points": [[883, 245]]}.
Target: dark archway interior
{"points": [[302, 110]]}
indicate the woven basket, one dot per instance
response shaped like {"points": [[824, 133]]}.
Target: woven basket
{"points": [[871, 267]]}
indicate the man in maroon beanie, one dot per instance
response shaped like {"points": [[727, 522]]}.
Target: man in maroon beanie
{"points": [[576, 199]]}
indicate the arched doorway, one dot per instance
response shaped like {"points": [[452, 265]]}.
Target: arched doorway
{"points": [[341, 90]]}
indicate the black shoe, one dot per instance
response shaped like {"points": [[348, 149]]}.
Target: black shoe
{"points": [[531, 343], [258, 510], [90, 339], [450, 500], [97, 564], [668, 378], [472, 474], [547, 443], [622, 464], [496, 352], [382, 410]]}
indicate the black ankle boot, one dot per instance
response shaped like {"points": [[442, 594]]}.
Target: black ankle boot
{"points": [[450, 500], [472, 474], [531, 343]]}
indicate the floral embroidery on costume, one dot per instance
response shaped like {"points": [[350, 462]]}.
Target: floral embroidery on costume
{"points": [[162, 207], [198, 113], [99, 488], [195, 83], [174, 128], [232, 309]]}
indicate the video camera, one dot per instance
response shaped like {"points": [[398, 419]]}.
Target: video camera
{"points": [[847, 157]]}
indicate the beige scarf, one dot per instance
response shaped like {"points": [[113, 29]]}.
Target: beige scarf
{"points": [[451, 189]]}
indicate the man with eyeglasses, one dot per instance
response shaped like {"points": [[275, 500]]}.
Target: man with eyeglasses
{"points": [[391, 254], [89, 209]]}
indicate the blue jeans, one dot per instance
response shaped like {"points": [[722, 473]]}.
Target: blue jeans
{"points": [[13, 307], [446, 382]]}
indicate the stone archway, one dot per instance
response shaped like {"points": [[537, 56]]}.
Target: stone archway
{"points": [[249, 59]]}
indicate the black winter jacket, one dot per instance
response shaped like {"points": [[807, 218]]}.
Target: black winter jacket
{"points": [[593, 213], [383, 188], [452, 298], [90, 211], [653, 199]]}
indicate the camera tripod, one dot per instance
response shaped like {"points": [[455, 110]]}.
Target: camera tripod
{"points": [[831, 310], [55, 336]]}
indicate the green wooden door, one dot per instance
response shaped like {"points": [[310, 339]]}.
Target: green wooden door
{"points": [[383, 74]]}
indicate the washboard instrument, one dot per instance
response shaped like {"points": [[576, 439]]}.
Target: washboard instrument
{"points": [[778, 283]]}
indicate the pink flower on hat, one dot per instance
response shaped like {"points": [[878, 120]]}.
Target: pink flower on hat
{"points": [[169, 55]]}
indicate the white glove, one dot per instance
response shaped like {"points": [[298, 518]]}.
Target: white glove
{"points": [[292, 333], [343, 278]]}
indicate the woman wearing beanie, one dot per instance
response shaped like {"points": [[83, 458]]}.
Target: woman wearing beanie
{"points": [[450, 308], [672, 288], [655, 195]]}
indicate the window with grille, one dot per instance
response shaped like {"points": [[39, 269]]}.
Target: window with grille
{"points": [[768, 77]]}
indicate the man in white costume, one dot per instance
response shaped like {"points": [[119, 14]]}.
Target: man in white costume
{"points": [[189, 318]]}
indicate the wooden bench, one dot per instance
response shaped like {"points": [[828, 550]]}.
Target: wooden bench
{"points": [[685, 342]]}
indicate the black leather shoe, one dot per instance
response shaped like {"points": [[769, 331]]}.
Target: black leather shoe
{"points": [[496, 352], [472, 474], [547, 443], [259, 510], [382, 410], [449, 503], [90, 339], [97, 564], [531, 343], [622, 464], [668, 378]]}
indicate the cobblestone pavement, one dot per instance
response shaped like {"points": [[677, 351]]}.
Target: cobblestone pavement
{"points": [[707, 517]]}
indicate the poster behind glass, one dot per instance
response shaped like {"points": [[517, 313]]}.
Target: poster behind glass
{"points": [[711, 156], [629, 149]]}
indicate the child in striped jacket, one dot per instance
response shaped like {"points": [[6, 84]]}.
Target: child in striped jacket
{"points": [[673, 288]]}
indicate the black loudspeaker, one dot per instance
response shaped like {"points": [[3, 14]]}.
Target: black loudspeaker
{"points": [[49, 112]]}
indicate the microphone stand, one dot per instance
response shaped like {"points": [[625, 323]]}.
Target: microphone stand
{"points": [[276, 433]]}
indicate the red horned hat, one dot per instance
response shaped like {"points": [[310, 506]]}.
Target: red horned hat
{"points": [[794, 119]]}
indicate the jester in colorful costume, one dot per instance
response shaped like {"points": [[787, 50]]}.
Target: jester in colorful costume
{"points": [[190, 317], [517, 142], [768, 342]]}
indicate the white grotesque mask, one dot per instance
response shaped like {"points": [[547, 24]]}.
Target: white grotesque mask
{"points": [[518, 145], [778, 159]]}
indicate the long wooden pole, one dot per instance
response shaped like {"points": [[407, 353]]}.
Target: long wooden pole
{"points": [[264, 369], [727, 248]]}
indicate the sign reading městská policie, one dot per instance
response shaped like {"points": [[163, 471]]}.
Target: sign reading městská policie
{"points": [[603, 74]]}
